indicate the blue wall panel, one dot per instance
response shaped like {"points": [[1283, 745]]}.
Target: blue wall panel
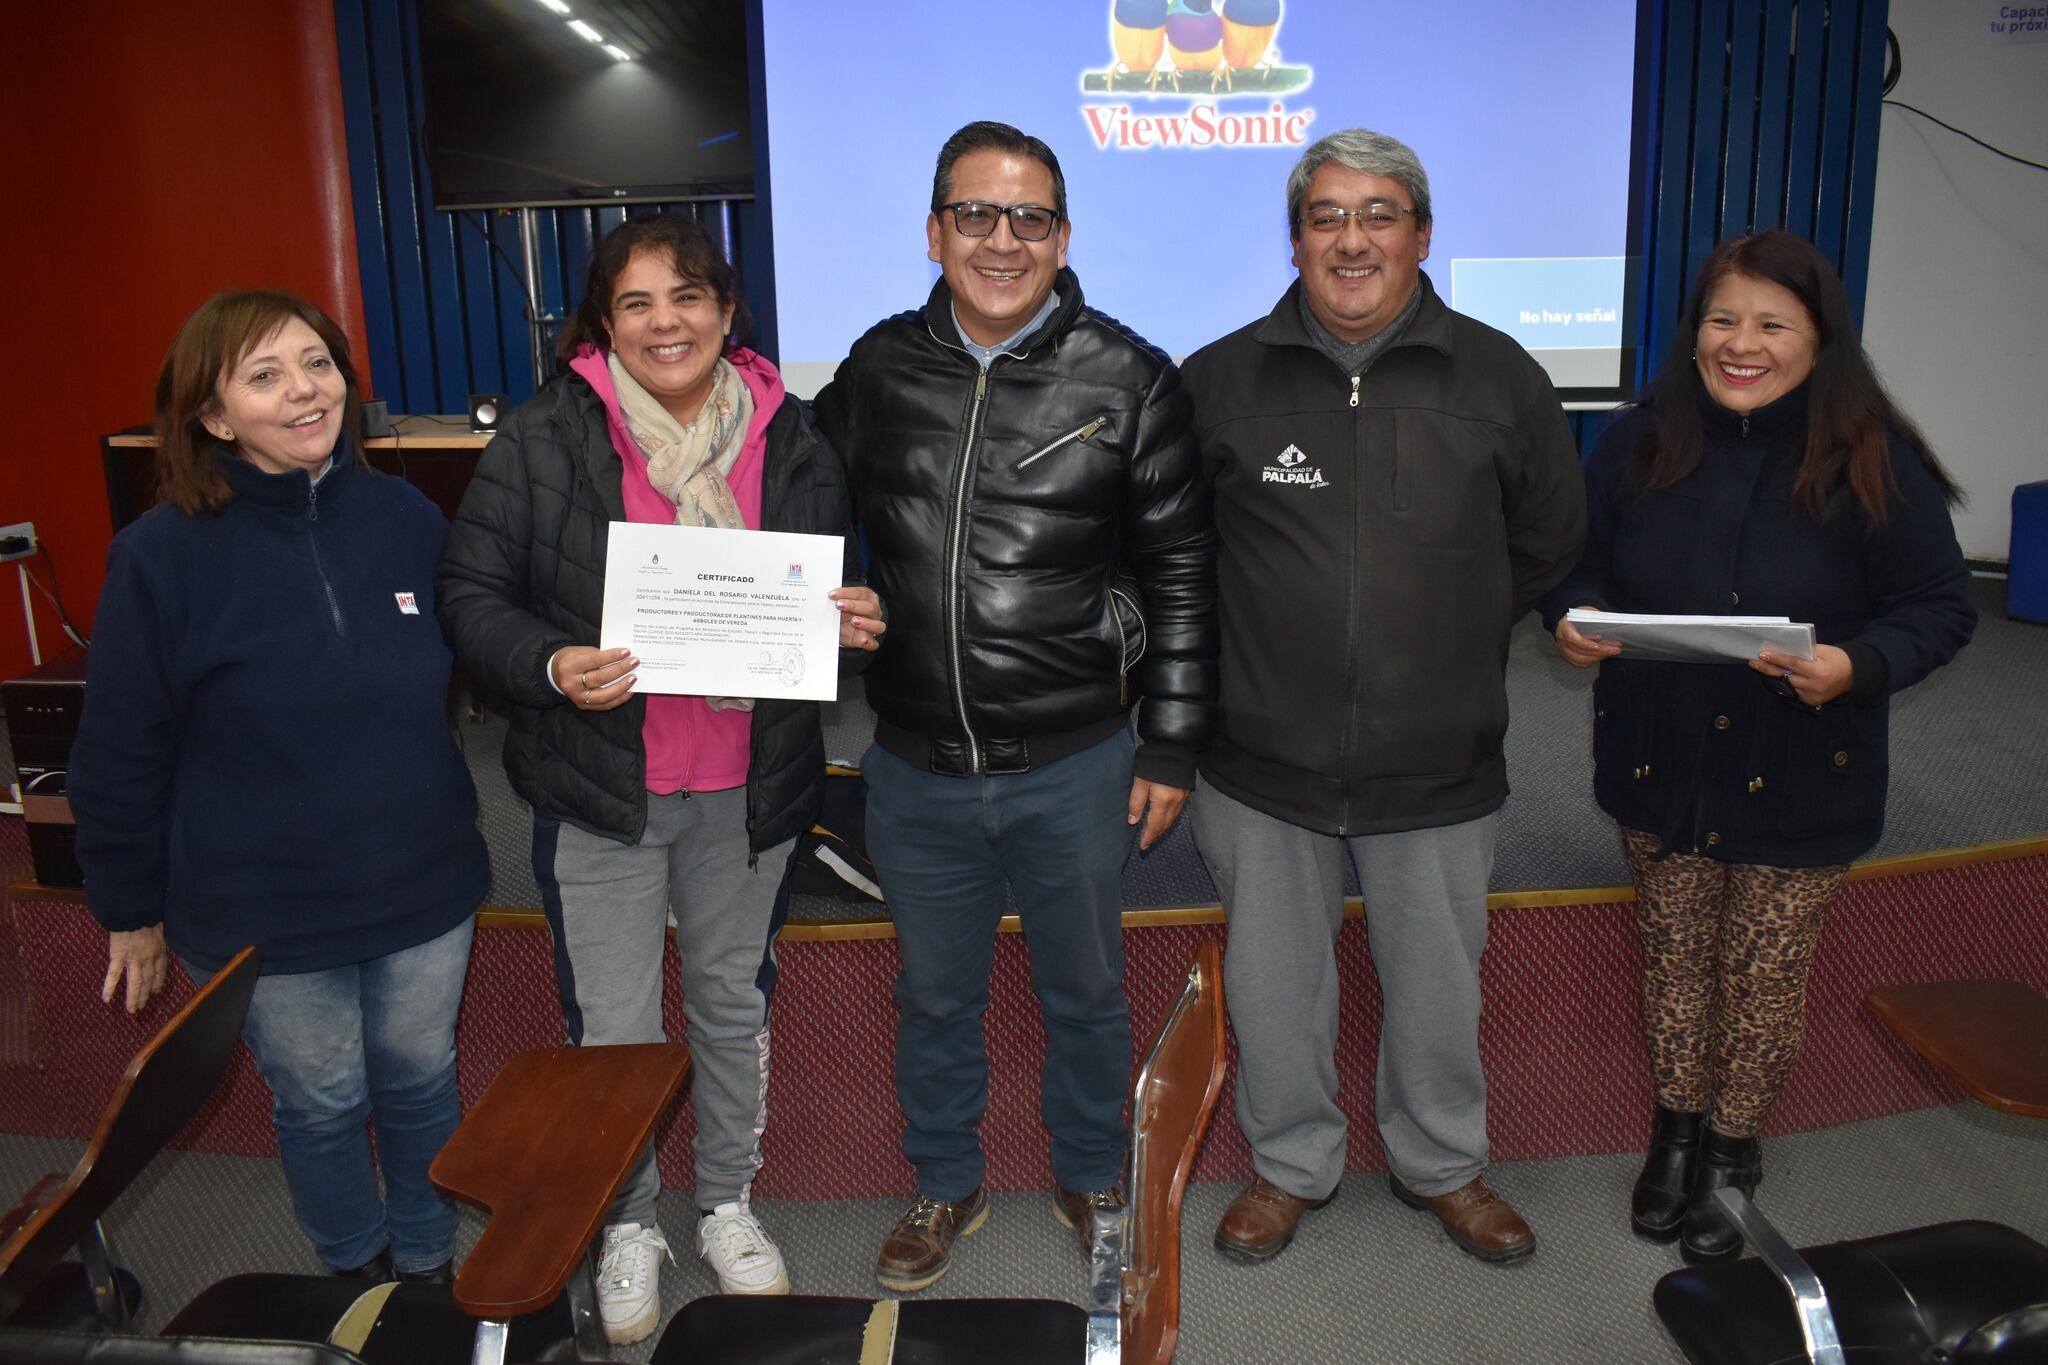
{"points": [[1773, 89], [1802, 132], [1861, 169], [1763, 113], [1743, 113]]}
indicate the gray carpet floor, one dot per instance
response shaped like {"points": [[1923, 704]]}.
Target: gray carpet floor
{"points": [[1367, 1280]]}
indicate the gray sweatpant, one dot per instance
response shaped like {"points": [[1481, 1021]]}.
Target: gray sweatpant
{"points": [[1425, 907], [608, 904]]}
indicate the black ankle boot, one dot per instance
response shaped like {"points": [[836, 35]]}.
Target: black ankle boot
{"points": [[1657, 1206], [443, 1273], [1707, 1234], [376, 1270]]}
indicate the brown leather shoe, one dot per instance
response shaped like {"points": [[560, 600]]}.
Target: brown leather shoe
{"points": [[918, 1248], [1261, 1221], [1076, 1209], [1477, 1219]]}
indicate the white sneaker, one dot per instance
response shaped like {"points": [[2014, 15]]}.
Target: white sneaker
{"points": [[629, 1281], [738, 1249]]}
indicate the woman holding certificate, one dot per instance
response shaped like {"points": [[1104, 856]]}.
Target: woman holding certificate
{"points": [[1764, 472], [647, 807]]}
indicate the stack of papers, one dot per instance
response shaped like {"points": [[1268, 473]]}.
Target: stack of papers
{"points": [[1695, 639]]}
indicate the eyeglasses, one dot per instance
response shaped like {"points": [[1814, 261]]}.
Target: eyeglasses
{"points": [[1377, 216], [977, 218]]}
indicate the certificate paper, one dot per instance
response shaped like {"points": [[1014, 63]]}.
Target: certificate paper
{"points": [[715, 613], [1695, 639]]}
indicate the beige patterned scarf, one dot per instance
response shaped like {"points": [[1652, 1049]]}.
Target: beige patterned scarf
{"points": [[688, 464]]}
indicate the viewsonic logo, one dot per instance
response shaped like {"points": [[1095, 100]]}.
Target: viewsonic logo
{"points": [[1162, 49]]}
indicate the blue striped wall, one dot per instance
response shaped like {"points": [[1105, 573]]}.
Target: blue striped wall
{"points": [[1756, 114], [1764, 114]]}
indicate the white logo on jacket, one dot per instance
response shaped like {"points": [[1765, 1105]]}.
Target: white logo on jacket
{"points": [[1290, 466], [408, 604]]}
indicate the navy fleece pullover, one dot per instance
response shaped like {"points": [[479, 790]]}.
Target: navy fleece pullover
{"points": [[265, 755]]}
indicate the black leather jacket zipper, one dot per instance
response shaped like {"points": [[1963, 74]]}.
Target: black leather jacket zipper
{"points": [[956, 550], [1080, 433]]}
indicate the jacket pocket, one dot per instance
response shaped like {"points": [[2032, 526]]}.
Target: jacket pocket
{"points": [[1835, 776], [1127, 619], [1078, 435], [1446, 491], [1627, 761]]}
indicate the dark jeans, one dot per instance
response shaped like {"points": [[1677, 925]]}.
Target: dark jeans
{"points": [[950, 851]]}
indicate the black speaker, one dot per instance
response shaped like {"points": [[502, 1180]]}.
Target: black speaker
{"points": [[376, 418], [486, 410], [42, 719]]}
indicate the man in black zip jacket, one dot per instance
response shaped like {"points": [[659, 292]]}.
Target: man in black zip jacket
{"points": [[1395, 484], [1041, 540]]}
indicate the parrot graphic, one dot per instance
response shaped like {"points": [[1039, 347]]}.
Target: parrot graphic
{"points": [[1194, 39], [1137, 31], [1248, 28]]}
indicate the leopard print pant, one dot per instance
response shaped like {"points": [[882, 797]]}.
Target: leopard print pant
{"points": [[1726, 952]]}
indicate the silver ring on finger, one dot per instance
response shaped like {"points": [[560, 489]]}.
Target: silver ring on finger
{"points": [[584, 678], [586, 695]]}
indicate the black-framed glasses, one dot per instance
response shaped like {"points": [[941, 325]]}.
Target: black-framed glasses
{"points": [[1376, 216], [978, 218]]}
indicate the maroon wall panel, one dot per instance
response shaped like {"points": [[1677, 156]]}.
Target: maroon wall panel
{"points": [[1560, 1033], [156, 154]]}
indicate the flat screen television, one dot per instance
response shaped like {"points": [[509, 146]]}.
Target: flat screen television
{"points": [[613, 102]]}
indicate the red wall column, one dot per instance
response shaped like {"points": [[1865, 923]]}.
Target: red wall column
{"points": [[159, 154]]}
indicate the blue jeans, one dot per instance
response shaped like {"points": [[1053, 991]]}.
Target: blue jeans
{"points": [[950, 852], [341, 1046]]}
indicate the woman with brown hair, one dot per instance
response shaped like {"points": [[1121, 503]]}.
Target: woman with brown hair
{"points": [[1765, 472], [647, 807], [265, 758]]}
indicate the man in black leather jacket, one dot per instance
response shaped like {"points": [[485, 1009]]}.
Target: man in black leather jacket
{"points": [[1040, 538]]}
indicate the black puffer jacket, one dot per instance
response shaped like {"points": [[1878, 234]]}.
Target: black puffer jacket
{"points": [[523, 576], [1040, 537]]}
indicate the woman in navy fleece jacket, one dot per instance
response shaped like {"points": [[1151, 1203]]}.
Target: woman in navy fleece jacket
{"points": [[1765, 473], [265, 758]]}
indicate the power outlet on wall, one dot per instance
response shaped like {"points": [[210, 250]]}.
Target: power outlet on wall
{"points": [[17, 541]]}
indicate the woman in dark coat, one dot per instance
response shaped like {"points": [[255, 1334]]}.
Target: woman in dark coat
{"points": [[1765, 473], [664, 809]]}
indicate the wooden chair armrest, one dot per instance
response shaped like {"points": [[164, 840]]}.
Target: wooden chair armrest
{"points": [[25, 1208], [544, 1150], [1989, 1037]]}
